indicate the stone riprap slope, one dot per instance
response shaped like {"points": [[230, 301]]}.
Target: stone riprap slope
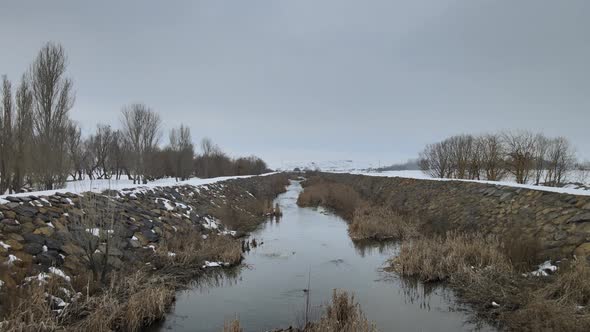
{"points": [[37, 232], [560, 222]]}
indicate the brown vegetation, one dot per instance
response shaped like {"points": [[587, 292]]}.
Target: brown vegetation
{"points": [[379, 223], [481, 271], [339, 197]]}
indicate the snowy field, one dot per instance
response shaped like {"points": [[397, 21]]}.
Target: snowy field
{"points": [[568, 189], [102, 185]]}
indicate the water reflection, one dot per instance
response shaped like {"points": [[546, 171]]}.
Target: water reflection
{"points": [[310, 249]]}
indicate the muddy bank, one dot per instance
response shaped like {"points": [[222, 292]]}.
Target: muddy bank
{"points": [[70, 248]]}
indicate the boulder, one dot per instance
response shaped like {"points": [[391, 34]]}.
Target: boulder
{"points": [[14, 245], [47, 231], [33, 248]]}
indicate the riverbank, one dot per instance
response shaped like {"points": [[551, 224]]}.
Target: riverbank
{"points": [[299, 260], [486, 242], [90, 261]]}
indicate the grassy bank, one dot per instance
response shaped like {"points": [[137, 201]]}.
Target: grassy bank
{"points": [[490, 273], [118, 278]]}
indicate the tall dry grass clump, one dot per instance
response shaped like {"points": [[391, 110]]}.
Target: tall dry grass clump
{"points": [[441, 258], [232, 326], [34, 314], [344, 314], [339, 197], [380, 223], [188, 248], [130, 303]]}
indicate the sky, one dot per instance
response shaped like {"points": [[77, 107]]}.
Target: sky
{"points": [[312, 80]]}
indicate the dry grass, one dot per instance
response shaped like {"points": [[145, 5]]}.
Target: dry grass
{"points": [[128, 304], [341, 198], [232, 326], [342, 315], [441, 258], [188, 249], [480, 270], [379, 223]]}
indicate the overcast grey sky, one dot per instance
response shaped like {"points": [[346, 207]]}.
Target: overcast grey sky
{"points": [[320, 80]]}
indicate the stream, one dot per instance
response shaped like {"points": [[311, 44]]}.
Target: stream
{"points": [[312, 246]]}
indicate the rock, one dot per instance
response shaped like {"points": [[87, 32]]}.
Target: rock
{"points": [[13, 199], [9, 222], [36, 238], [150, 235], [14, 245], [583, 250], [47, 231], [49, 258], [142, 239], [72, 249], [33, 248], [586, 207], [15, 236], [54, 244], [584, 217]]}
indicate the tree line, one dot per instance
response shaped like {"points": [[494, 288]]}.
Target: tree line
{"points": [[41, 146], [525, 156]]}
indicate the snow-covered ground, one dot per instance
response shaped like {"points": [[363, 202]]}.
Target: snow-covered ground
{"points": [[344, 165], [102, 185], [421, 175]]}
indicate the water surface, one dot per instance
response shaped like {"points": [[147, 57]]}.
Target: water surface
{"points": [[312, 245]]}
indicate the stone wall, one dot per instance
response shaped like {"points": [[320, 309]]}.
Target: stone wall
{"points": [[560, 222], [36, 231]]}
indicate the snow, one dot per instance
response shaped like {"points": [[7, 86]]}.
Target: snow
{"points": [[12, 259], [543, 270], [98, 186], [93, 231], [495, 305], [4, 245], [214, 264], [422, 176], [60, 273], [171, 254]]}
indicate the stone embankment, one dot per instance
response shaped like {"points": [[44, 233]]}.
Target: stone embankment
{"points": [[38, 233], [560, 222]]}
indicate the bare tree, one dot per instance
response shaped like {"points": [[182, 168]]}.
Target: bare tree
{"points": [[97, 233], [141, 128], [539, 155], [561, 160], [435, 160], [520, 147], [75, 149], [23, 134], [492, 157], [6, 141], [53, 98], [100, 145], [183, 152]]}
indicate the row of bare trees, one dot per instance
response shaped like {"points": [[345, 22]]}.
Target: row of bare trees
{"points": [[40, 146], [34, 123], [522, 155]]}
